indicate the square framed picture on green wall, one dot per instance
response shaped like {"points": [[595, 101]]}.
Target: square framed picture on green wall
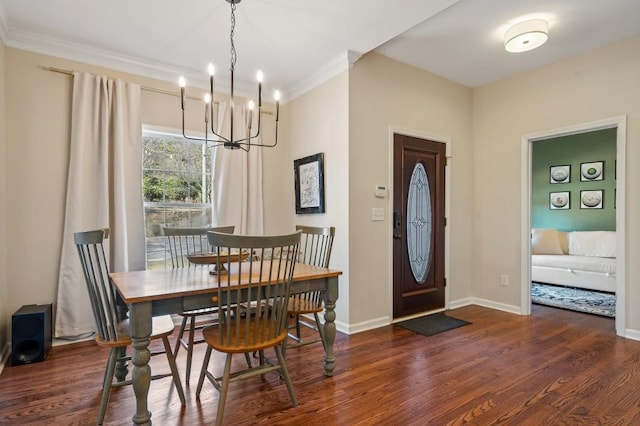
{"points": [[592, 171], [591, 199], [560, 174], [559, 200]]}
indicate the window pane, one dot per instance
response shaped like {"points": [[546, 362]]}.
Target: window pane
{"points": [[176, 172]]}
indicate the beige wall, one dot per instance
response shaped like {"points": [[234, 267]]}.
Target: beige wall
{"points": [[37, 135], [4, 305], [317, 122], [594, 86], [385, 94]]}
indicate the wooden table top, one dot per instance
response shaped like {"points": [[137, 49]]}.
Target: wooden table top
{"points": [[143, 286]]}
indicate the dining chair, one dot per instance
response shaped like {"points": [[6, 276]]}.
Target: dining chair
{"points": [[315, 249], [262, 282], [185, 242], [112, 331]]}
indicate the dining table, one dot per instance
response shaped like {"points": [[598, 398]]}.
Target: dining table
{"points": [[156, 292]]}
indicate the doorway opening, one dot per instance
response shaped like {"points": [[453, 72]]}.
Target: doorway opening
{"points": [[619, 124]]}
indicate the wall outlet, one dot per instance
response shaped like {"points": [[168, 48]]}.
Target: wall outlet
{"points": [[504, 280]]}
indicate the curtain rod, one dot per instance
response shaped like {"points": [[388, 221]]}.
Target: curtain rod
{"points": [[145, 88]]}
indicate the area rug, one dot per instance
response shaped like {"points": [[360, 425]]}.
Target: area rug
{"points": [[575, 299], [429, 325]]}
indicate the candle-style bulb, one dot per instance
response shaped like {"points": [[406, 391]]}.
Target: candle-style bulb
{"points": [[259, 77], [250, 119], [182, 83], [276, 96], [211, 69], [207, 108]]}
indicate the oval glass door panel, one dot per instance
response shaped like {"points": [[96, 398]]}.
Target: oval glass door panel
{"points": [[419, 224]]}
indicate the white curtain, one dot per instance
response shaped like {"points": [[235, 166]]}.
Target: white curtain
{"points": [[104, 189], [236, 190]]}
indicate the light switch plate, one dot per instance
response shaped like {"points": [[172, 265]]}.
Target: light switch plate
{"points": [[377, 214]]}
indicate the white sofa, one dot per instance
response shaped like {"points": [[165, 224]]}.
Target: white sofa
{"points": [[583, 259]]}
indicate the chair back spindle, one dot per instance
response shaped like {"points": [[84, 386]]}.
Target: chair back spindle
{"points": [[185, 242], [253, 303], [96, 272], [316, 244]]}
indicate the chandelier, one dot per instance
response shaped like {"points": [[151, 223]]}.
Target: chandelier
{"points": [[244, 143]]}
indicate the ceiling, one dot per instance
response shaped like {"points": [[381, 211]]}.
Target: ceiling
{"points": [[298, 44]]}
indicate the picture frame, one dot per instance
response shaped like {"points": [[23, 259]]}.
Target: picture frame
{"points": [[560, 174], [560, 200], [592, 199], [309, 184], [593, 171]]}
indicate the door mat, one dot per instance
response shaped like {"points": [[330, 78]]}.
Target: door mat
{"points": [[429, 325], [575, 299]]}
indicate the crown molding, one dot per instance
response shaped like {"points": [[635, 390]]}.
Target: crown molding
{"points": [[51, 46], [338, 64]]}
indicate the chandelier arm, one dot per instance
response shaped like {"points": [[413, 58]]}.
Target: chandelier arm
{"points": [[200, 138], [221, 138], [242, 141]]}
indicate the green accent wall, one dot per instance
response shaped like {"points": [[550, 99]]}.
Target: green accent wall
{"points": [[573, 150]]}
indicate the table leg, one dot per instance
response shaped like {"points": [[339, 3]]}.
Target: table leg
{"points": [[122, 367], [330, 297], [140, 316]]}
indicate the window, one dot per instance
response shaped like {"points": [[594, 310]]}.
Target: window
{"points": [[176, 184]]}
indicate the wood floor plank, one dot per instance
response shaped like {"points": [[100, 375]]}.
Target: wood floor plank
{"points": [[551, 368]]}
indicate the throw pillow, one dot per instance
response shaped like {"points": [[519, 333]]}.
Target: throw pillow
{"points": [[545, 241]]}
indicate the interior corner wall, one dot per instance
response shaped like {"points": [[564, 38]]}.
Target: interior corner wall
{"points": [[4, 306], [601, 84], [317, 122], [385, 94]]}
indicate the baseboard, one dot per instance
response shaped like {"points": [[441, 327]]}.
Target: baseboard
{"points": [[632, 334], [4, 356], [363, 326], [455, 304], [498, 306]]}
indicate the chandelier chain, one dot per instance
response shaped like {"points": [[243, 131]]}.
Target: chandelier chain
{"points": [[233, 46]]}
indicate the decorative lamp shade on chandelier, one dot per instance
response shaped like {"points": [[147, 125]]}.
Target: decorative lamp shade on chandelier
{"points": [[526, 35], [230, 142]]}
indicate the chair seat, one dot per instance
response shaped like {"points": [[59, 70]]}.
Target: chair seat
{"points": [[160, 327], [238, 343], [299, 305]]}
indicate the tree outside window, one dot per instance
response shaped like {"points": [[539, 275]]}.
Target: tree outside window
{"points": [[176, 185]]}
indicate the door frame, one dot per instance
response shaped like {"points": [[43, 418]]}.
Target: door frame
{"points": [[620, 124], [447, 198]]}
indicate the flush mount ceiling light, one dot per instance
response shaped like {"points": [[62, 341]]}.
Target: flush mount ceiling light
{"points": [[526, 35]]}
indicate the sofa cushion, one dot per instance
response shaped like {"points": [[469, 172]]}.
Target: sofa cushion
{"points": [[545, 241], [592, 243]]}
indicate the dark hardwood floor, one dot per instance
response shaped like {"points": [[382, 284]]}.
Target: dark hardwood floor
{"points": [[555, 367]]}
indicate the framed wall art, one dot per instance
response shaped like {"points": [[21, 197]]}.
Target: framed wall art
{"points": [[591, 199], [559, 200], [592, 171], [560, 174], [309, 184]]}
